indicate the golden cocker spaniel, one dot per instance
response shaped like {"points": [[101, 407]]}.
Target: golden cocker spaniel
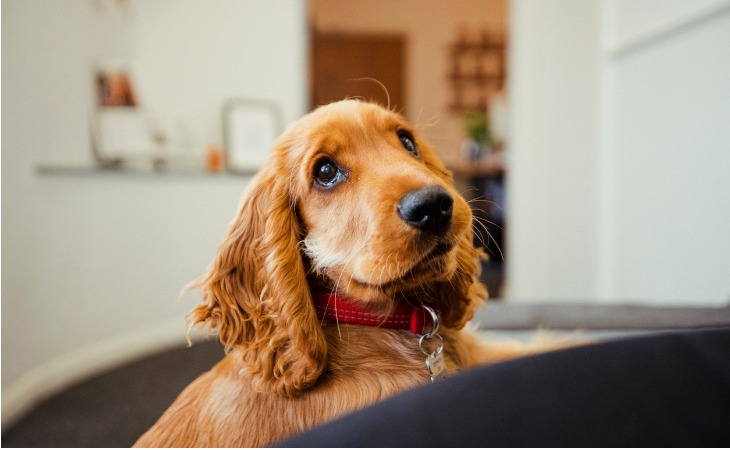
{"points": [[347, 276]]}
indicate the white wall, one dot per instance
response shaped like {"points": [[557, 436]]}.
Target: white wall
{"points": [[92, 265], [554, 93], [618, 188], [192, 55]]}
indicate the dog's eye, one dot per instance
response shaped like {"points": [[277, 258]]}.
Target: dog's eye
{"points": [[408, 143], [326, 173]]}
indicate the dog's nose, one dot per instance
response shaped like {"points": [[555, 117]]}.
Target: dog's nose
{"points": [[428, 209]]}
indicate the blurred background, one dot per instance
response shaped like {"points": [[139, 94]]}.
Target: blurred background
{"points": [[595, 132]]}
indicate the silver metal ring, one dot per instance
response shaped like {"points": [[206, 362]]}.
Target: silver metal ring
{"points": [[435, 319], [427, 336]]}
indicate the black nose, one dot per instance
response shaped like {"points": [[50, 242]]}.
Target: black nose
{"points": [[428, 209]]}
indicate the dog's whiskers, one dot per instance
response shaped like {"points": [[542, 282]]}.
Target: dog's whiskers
{"points": [[483, 200], [486, 230], [467, 190]]}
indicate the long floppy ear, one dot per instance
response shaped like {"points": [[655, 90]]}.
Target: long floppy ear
{"points": [[256, 294]]}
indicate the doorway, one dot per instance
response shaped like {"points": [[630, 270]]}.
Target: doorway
{"points": [[365, 66]]}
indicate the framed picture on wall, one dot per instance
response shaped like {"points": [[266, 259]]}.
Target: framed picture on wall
{"points": [[250, 128], [120, 129]]}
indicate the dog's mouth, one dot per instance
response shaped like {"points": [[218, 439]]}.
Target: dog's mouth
{"points": [[415, 272], [427, 263], [440, 249]]}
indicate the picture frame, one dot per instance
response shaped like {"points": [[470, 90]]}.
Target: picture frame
{"points": [[120, 129], [250, 128]]}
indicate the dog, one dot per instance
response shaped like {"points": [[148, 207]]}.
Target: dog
{"points": [[347, 276]]}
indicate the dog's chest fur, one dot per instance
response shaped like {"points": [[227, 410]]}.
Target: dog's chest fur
{"points": [[221, 408]]}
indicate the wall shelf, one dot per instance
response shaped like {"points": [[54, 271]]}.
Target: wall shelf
{"points": [[477, 71], [86, 170]]}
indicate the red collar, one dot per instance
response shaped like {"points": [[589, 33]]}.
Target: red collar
{"points": [[343, 310]]}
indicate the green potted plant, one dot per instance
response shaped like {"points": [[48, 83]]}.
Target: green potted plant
{"points": [[479, 141]]}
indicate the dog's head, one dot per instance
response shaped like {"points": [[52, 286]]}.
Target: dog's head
{"points": [[352, 201]]}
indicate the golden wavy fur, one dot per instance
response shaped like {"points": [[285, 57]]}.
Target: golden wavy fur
{"points": [[323, 213]]}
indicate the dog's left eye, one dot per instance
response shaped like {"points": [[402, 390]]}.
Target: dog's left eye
{"points": [[326, 173], [408, 142]]}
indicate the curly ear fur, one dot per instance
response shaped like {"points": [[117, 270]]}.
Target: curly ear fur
{"points": [[457, 298], [256, 295]]}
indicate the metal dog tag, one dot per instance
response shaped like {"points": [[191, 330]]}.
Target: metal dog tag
{"points": [[434, 358], [436, 366]]}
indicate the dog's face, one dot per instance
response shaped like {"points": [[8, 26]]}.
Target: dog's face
{"points": [[352, 201], [379, 213]]}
